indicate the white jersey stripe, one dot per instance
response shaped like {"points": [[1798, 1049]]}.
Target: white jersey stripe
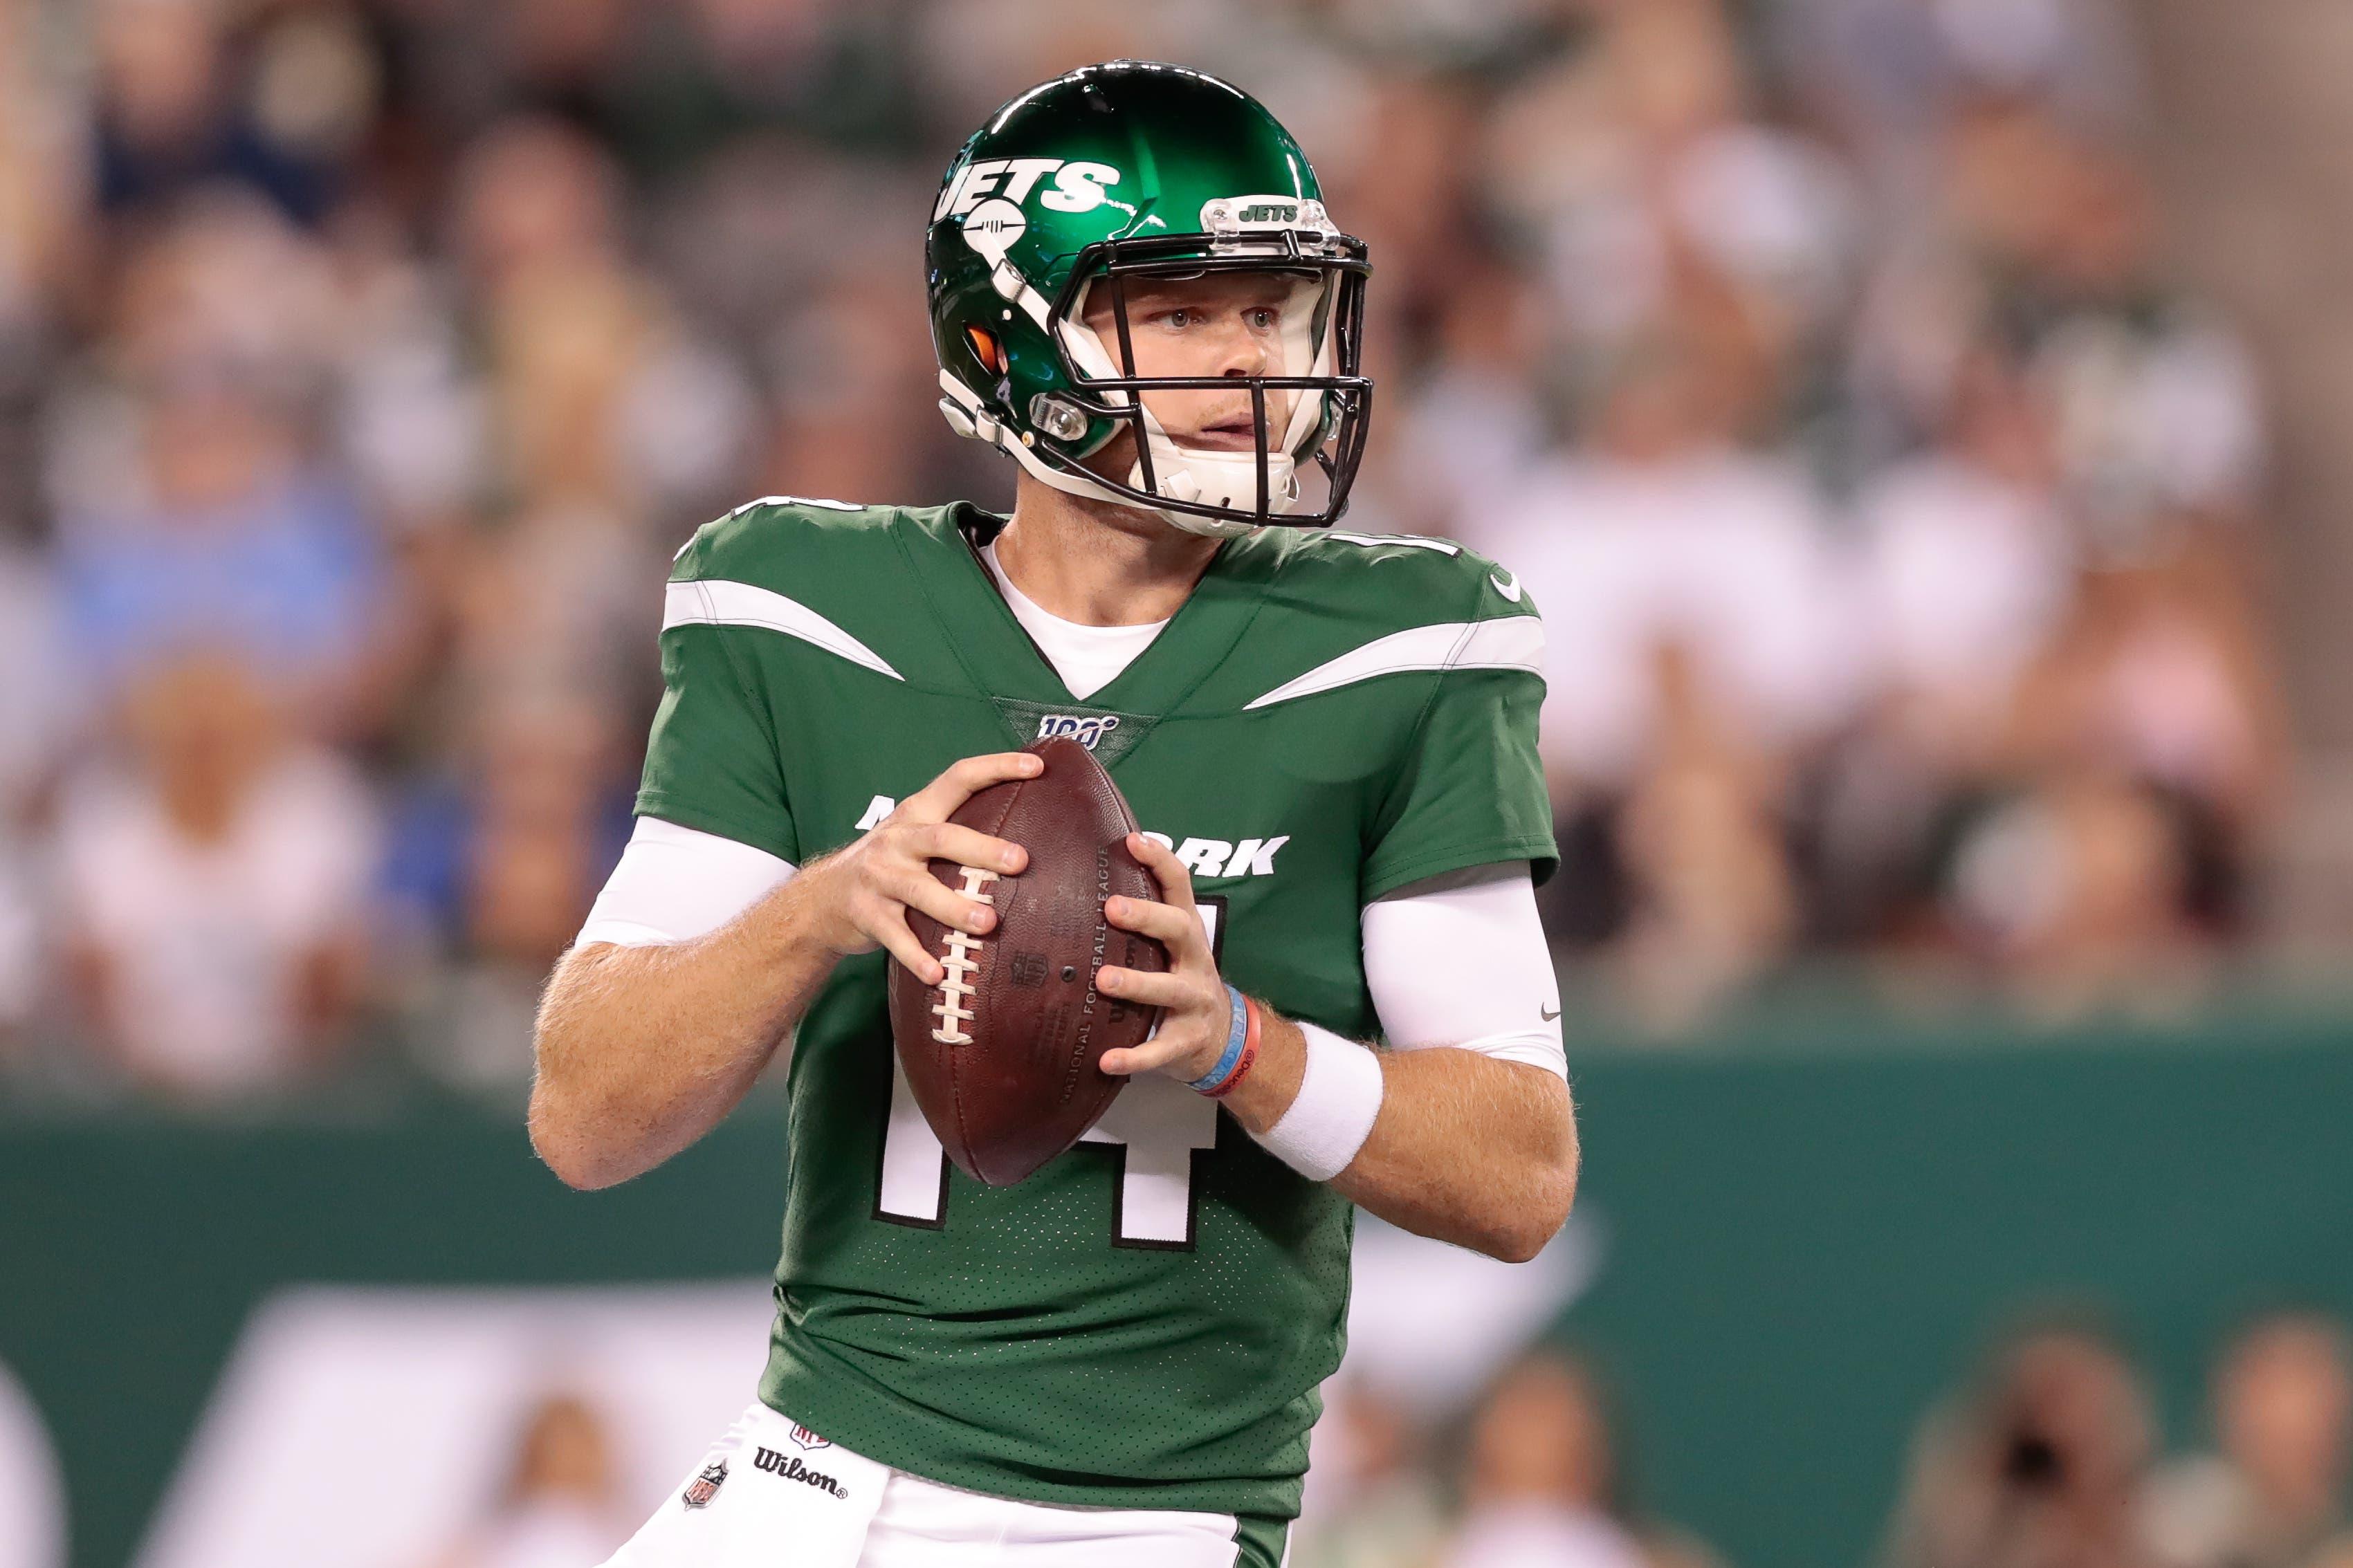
{"points": [[1507, 642], [717, 602]]}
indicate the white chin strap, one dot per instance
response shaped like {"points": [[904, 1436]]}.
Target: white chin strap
{"points": [[1214, 479]]}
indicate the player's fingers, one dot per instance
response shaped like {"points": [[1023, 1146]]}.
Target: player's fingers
{"points": [[1179, 928], [1149, 1057], [919, 889], [964, 845], [937, 801], [1175, 881], [1144, 985], [890, 929]]}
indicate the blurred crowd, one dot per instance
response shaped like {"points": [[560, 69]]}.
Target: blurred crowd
{"points": [[1814, 363], [2050, 1458], [2047, 1458]]}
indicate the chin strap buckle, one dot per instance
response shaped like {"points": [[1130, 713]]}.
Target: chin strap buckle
{"points": [[969, 422]]}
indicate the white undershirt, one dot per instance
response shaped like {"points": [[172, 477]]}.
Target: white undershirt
{"points": [[1458, 960], [1088, 658]]}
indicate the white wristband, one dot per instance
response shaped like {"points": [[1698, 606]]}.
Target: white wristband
{"points": [[1339, 1098]]}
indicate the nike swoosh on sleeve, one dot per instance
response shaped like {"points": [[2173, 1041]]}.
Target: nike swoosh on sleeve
{"points": [[1510, 590]]}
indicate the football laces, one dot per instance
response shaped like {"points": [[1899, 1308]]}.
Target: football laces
{"points": [[955, 989]]}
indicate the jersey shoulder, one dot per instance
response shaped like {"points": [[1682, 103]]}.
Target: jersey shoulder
{"points": [[1342, 611], [1396, 581], [790, 545]]}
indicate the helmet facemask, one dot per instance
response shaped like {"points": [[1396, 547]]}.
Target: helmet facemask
{"points": [[1311, 405]]}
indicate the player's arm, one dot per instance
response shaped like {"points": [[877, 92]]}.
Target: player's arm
{"points": [[642, 1047], [1472, 1143]]}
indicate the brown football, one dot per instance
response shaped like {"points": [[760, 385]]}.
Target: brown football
{"points": [[1001, 1054]]}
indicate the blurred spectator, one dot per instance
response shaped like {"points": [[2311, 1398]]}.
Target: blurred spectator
{"points": [[2154, 406], [1477, 422], [40, 216], [2159, 669], [213, 887], [169, 119], [608, 413], [495, 869], [1712, 899], [2141, 760], [234, 542], [1662, 531], [2041, 1464], [35, 706], [1640, 159], [1966, 569], [1967, 566], [1544, 1488], [2273, 1494], [503, 861], [2079, 888], [1373, 1500], [561, 1506]]}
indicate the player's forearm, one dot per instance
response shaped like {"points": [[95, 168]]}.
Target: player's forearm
{"points": [[1469, 1149], [641, 1050], [1466, 1148]]}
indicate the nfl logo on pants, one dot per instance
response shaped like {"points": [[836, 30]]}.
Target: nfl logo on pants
{"points": [[706, 1486]]}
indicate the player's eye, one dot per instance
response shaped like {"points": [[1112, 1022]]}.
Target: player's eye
{"points": [[1263, 319], [1177, 318]]}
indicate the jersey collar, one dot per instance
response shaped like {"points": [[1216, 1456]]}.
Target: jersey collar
{"points": [[1000, 660]]}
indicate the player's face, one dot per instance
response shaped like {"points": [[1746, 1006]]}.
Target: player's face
{"points": [[1227, 324]]}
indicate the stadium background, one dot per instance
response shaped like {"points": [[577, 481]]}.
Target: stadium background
{"points": [[1920, 420]]}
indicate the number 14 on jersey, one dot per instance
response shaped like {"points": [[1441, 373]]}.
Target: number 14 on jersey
{"points": [[1157, 1123]]}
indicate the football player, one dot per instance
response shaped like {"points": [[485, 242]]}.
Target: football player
{"points": [[1136, 293]]}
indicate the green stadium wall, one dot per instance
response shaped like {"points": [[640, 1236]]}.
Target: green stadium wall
{"points": [[1806, 1240]]}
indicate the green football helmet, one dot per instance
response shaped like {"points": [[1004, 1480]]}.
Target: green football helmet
{"points": [[1112, 173]]}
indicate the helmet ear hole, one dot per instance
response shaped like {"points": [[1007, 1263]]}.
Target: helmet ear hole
{"points": [[987, 350]]}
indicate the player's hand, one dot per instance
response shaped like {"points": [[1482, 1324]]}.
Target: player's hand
{"points": [[1198, 1014], [866, 888]]}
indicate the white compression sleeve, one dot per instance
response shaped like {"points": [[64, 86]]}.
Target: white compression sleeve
{"points": [[675, 883], [1461, 961]]}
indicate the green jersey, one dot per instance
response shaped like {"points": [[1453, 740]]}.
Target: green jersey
{"points": [[1145, 1322]]}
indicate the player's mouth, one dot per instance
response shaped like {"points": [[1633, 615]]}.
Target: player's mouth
{"points": [[1236, 433]]}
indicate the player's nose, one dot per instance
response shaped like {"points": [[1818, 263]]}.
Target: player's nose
{"points": [[1240, 350]]}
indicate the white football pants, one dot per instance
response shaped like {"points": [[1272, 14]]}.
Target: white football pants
{"points": [[771, 1487]]}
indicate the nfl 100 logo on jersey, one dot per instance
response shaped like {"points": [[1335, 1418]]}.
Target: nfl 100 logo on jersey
{"points": [[1086, 729]]}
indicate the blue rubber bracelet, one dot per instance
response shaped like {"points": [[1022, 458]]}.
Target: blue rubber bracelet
{"points": [[1235, 1035]]}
